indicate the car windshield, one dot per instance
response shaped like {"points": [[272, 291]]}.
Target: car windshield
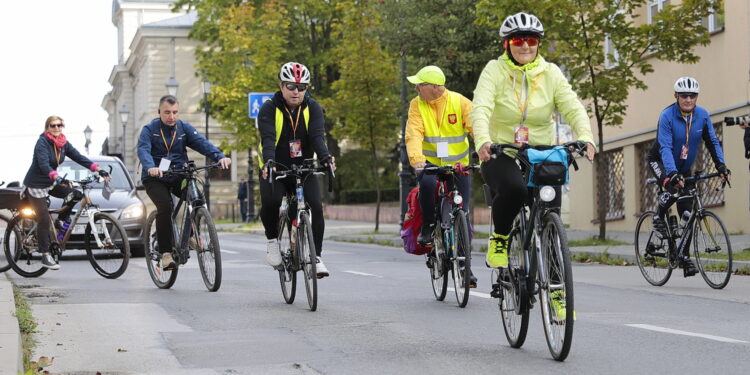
{"points": [[76, 172]]}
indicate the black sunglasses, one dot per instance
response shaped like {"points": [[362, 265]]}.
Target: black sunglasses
{"points": [[299, 86], [57, 125], [685, 96]]}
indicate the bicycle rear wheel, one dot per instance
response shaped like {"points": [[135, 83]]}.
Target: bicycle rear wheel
{"points": [[651, 251], [713, 250], [164, 279], [558, 308], [308, 260], [287, 275], [462, 259], [4, 225], [513, 303], [439, 269], [22, 248], [109, 251], [208, 249]]}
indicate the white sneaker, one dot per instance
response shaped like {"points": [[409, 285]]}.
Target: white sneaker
{"points": [[273, 254], [321, 268]]}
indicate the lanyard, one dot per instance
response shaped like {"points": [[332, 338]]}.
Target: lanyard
{"points": [[293, 123], [57, 154], [174, 132], [523, 108], [688, 124]]}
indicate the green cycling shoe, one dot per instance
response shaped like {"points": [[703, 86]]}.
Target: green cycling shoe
{"points": [[497, 251], [557, 304]]}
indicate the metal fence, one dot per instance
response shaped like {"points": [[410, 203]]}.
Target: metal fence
{"points": [[614, 184], [649, 193]]}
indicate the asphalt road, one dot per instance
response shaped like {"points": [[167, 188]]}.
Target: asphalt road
{"points": [[376, 315]]}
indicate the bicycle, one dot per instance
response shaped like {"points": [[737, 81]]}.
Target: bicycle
{"points": [[538, 257], [451, 251], [295, 236], [197, 225], [9, 200], [104, 238], [657, 255]]}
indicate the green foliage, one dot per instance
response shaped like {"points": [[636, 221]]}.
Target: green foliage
{"points": [[596, 241], [353, 173]]}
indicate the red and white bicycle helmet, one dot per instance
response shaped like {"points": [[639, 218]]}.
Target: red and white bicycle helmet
{"points": [[687, 85], [521, 23], [294, 72]]}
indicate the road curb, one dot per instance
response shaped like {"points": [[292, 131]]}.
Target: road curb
{"points": [[11, 350]]}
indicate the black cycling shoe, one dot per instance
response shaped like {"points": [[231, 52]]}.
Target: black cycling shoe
{"points": [[425, 235], [430, 258], [661, 226], [688, 268], [472, 280]]}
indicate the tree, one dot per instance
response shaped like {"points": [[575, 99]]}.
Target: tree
{"points": [[575, 34], [364, 102]]}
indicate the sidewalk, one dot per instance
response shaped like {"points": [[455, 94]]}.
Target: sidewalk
{"points": [[11, 354]]}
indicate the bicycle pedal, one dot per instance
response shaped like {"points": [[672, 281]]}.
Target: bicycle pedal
{"points": [[496, 291]]}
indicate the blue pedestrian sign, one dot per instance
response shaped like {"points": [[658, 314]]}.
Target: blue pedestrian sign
{"points": [[255, 100]]}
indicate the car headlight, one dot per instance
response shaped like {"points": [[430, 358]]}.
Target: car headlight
{"points": [[134, 211]]}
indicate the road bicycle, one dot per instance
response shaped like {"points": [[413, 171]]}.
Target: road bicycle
{"points": [[196, 232], [538, 255], [295, 231], [102, 236], [451, 252], [657, 255]]}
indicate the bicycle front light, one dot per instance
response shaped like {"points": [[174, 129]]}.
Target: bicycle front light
{"points": [[134, 211], [457, 199], [27, 212], [547, 193]]}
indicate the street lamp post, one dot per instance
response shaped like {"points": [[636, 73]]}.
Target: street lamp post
{"points": [[124, 112], [87, 133], [172, 86], [207, 109]]}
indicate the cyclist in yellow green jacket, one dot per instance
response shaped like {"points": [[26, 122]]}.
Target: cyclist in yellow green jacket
{"points": [[514, 101]]}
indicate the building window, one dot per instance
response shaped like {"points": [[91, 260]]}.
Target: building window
{"points": [[654, 7], [611, 56], [714, 22], [614, 184], [649, 193], [711, 192]]}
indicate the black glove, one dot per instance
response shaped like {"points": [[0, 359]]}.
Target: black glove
{"points": [[103, 173], [675, 178], [722, 168]]}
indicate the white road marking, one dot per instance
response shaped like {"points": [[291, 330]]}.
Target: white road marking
{"points": [[477, 294], [686, 333], [230, 251], [363, 274]]}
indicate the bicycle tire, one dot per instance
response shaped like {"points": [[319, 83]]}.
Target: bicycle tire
{"points": [[463, 255], [514, 312], [161, 278], [715, 271], [4, 225], [651, 252], [308, 260], [287, 273], [439, 269], [209, 248], [18, 234], [111, 260], [559, 274]]}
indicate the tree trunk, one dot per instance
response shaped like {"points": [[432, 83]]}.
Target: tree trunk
{"points": [[377, 183], [601, 186]]}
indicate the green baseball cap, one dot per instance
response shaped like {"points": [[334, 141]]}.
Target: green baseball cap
{"points": [[429, 74]]}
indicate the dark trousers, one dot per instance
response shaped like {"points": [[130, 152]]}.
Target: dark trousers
{"points": [[71, 198], [665, 197], [159, 191], [271, 201], [243, 209], [428, 183]]}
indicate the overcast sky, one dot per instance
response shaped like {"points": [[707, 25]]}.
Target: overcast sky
{"points": [[56, 59]]}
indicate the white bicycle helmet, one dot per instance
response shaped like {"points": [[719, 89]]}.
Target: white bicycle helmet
{"points": [[294, 72], [521, 23], [687, 84]]}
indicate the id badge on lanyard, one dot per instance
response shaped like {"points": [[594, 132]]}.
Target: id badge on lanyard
{"points": [[522, 135], [684, 153], [442, 149], [295, 148]]}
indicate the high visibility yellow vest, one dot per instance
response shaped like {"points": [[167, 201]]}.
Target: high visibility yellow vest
{"points": [[279, 125], [451, 131]]}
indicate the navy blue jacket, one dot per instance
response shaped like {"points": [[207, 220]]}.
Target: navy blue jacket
{"points": [[151, 147], [45, 162]]}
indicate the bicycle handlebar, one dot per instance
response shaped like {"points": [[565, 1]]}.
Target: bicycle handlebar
{"points": [[578, 147], [299, 170], [188, 168], [448, 169]]}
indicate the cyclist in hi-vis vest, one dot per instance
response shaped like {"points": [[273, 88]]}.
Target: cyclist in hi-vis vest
{"points": [[437, 133]]}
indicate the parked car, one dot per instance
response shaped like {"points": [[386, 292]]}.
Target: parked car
{"points": [[124, 203]]}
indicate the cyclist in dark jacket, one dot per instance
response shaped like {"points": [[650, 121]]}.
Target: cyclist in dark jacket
{"points": [[163, 142], [682, 126], [42, 180]]}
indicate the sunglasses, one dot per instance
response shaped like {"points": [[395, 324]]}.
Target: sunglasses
{"points": [[57, 126], [298, 86], [518, 42], [685, 96]]}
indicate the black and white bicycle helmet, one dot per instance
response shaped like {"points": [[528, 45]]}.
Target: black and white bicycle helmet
{"points": [[521, 23], [687, 84], [294, 72]]}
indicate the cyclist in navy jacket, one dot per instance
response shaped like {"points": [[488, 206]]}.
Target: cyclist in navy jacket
{"points": [[163, 142], [682, 126]]}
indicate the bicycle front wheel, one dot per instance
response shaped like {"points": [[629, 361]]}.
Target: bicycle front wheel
{"points": [[462, 258], [108, 249], [651, 251], [208, 249], [163, 279], [513, 303], [308, 260], [22, 248], [439, 269], [287, 273], [558, 308], [4, 225], [713, 250]]}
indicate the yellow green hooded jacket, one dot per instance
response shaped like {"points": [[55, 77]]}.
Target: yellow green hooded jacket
{"points": [[499, 99]]}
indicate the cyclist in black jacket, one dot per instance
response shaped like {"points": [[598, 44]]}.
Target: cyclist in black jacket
{"points": [[291, 129]]}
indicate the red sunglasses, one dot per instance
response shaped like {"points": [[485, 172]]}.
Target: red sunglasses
{"points": [[518, 42]]}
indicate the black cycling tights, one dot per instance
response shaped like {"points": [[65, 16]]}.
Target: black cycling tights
{"points": [[271, 201], [509, 191]]}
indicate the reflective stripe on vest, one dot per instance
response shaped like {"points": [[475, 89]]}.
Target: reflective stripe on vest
{"points": [[450, 130], [279, 125]]}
